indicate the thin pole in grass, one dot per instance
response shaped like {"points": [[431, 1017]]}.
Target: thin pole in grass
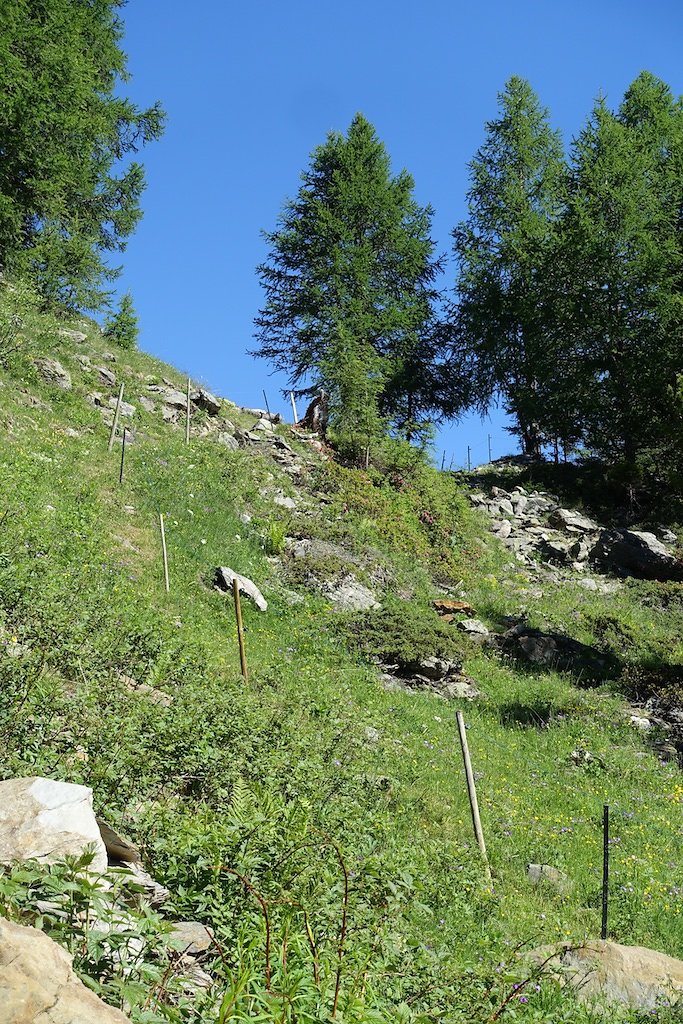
{"points": [[296, 417], [240, 629], [472, 793], [469, 458], [605, 869], [265, 399], [489, 440], [116, 419], [123, 454], [163, 549], [187, 414]]}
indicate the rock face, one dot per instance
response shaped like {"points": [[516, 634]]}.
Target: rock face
{"points": [[191, 937], [43, 819], [38, 985], [53, 372], [351, 596], [555, 651], [223, 581], [203, 399], [604, 971], [633, 553]]}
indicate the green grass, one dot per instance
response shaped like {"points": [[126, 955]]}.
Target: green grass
{"points": [[280, 780]]}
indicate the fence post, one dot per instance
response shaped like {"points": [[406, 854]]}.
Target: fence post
{"points": [[489, 440], [265, 399], [187, 414], [116, 419], [123, 454], [605, 869], [472, 793], [469, 459], [240, 630], [296, 418], [163, 548]]}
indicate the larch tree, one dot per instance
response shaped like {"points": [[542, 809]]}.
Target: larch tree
{"points": [[349, 287], [505, 313], [69, 188]]}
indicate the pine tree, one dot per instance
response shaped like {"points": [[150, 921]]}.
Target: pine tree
{"points": [[122, 327], [68, 195], [349, 285], [505, 317]]}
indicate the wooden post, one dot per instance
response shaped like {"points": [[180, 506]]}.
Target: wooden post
{"points": [[296, 418], [123, 454], [469, 459], [605, 869], [265, 399], [163, 548], [240, 630], [187, 414], [472, 793], [116, 419]]}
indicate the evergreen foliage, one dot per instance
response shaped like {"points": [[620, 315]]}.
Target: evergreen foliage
{"points": [[68, 193], [122, 327], [349, 286]]}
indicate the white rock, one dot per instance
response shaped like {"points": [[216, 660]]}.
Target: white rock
{"points": [[223, 581], [44, 819]]}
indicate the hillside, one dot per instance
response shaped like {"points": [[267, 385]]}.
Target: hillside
{"points": [[329, 785]]}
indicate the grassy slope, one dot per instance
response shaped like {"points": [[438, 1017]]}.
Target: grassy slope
{"points": [[264, 778]]}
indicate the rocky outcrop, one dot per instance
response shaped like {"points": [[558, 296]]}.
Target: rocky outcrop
{"points": [[350, 596], [635, 553], [43, 819], [555, 651], [38, 985], [53, 372], [602, 971]]}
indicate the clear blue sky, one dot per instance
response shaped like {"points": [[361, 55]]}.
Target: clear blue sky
{"points": [[250, 89]]}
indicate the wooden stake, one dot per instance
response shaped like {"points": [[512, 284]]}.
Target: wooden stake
{"points": [[123, 454], [296, 418], [469, 458], [116, 419], [187, 414], [265, 399], [240, 630], [163, 548], [489, 438], [605, 869], [472, 793]]}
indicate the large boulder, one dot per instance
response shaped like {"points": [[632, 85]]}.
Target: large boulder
{"points": [[635, 553], [555, 651], [43, 819], [223, 580], [572, 521], [203, 399], [38, 985], [607, 972]]}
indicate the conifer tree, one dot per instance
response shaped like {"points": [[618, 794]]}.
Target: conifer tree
{"points": [[122, 326], [505, 317], [349, 284], [69, 194]]}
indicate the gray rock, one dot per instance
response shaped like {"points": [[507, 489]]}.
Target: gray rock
{"points": [[53, 372], [667, 536], [77, 336], [475, 627], [42, 819], [504, 530], [155, 893], [568, 519], [432, 667], [505, 505], [588, 584], [283, 500], [125, 408], [203, 399], [537, 873], [38, 985], [147, 404], [554, 551], [519, 504], [228, 441], [635, 553], [109, 357], [223, 581], [191, 937], [602, 971], [117, 846], [351, 596], [169, 396], [169, 414], [555, 651], [106, 376]]}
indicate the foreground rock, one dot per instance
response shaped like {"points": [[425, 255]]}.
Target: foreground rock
{"points": [[635, 553], [555, 651], [53, 372], [223, 581], [602, 971], [42, 819], [38, 985]]}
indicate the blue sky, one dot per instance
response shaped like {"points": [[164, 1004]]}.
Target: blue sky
{"points": [[251, 89]]}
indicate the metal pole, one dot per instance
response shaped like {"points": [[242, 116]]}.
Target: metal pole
{"points": [[116, 419], [489, 437], [605, 869], [163, 548], [240, 630], [469, 460], [443, 459], [472, 793], [187, 414], [123, 454], [265, 399], [296, 418]]}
